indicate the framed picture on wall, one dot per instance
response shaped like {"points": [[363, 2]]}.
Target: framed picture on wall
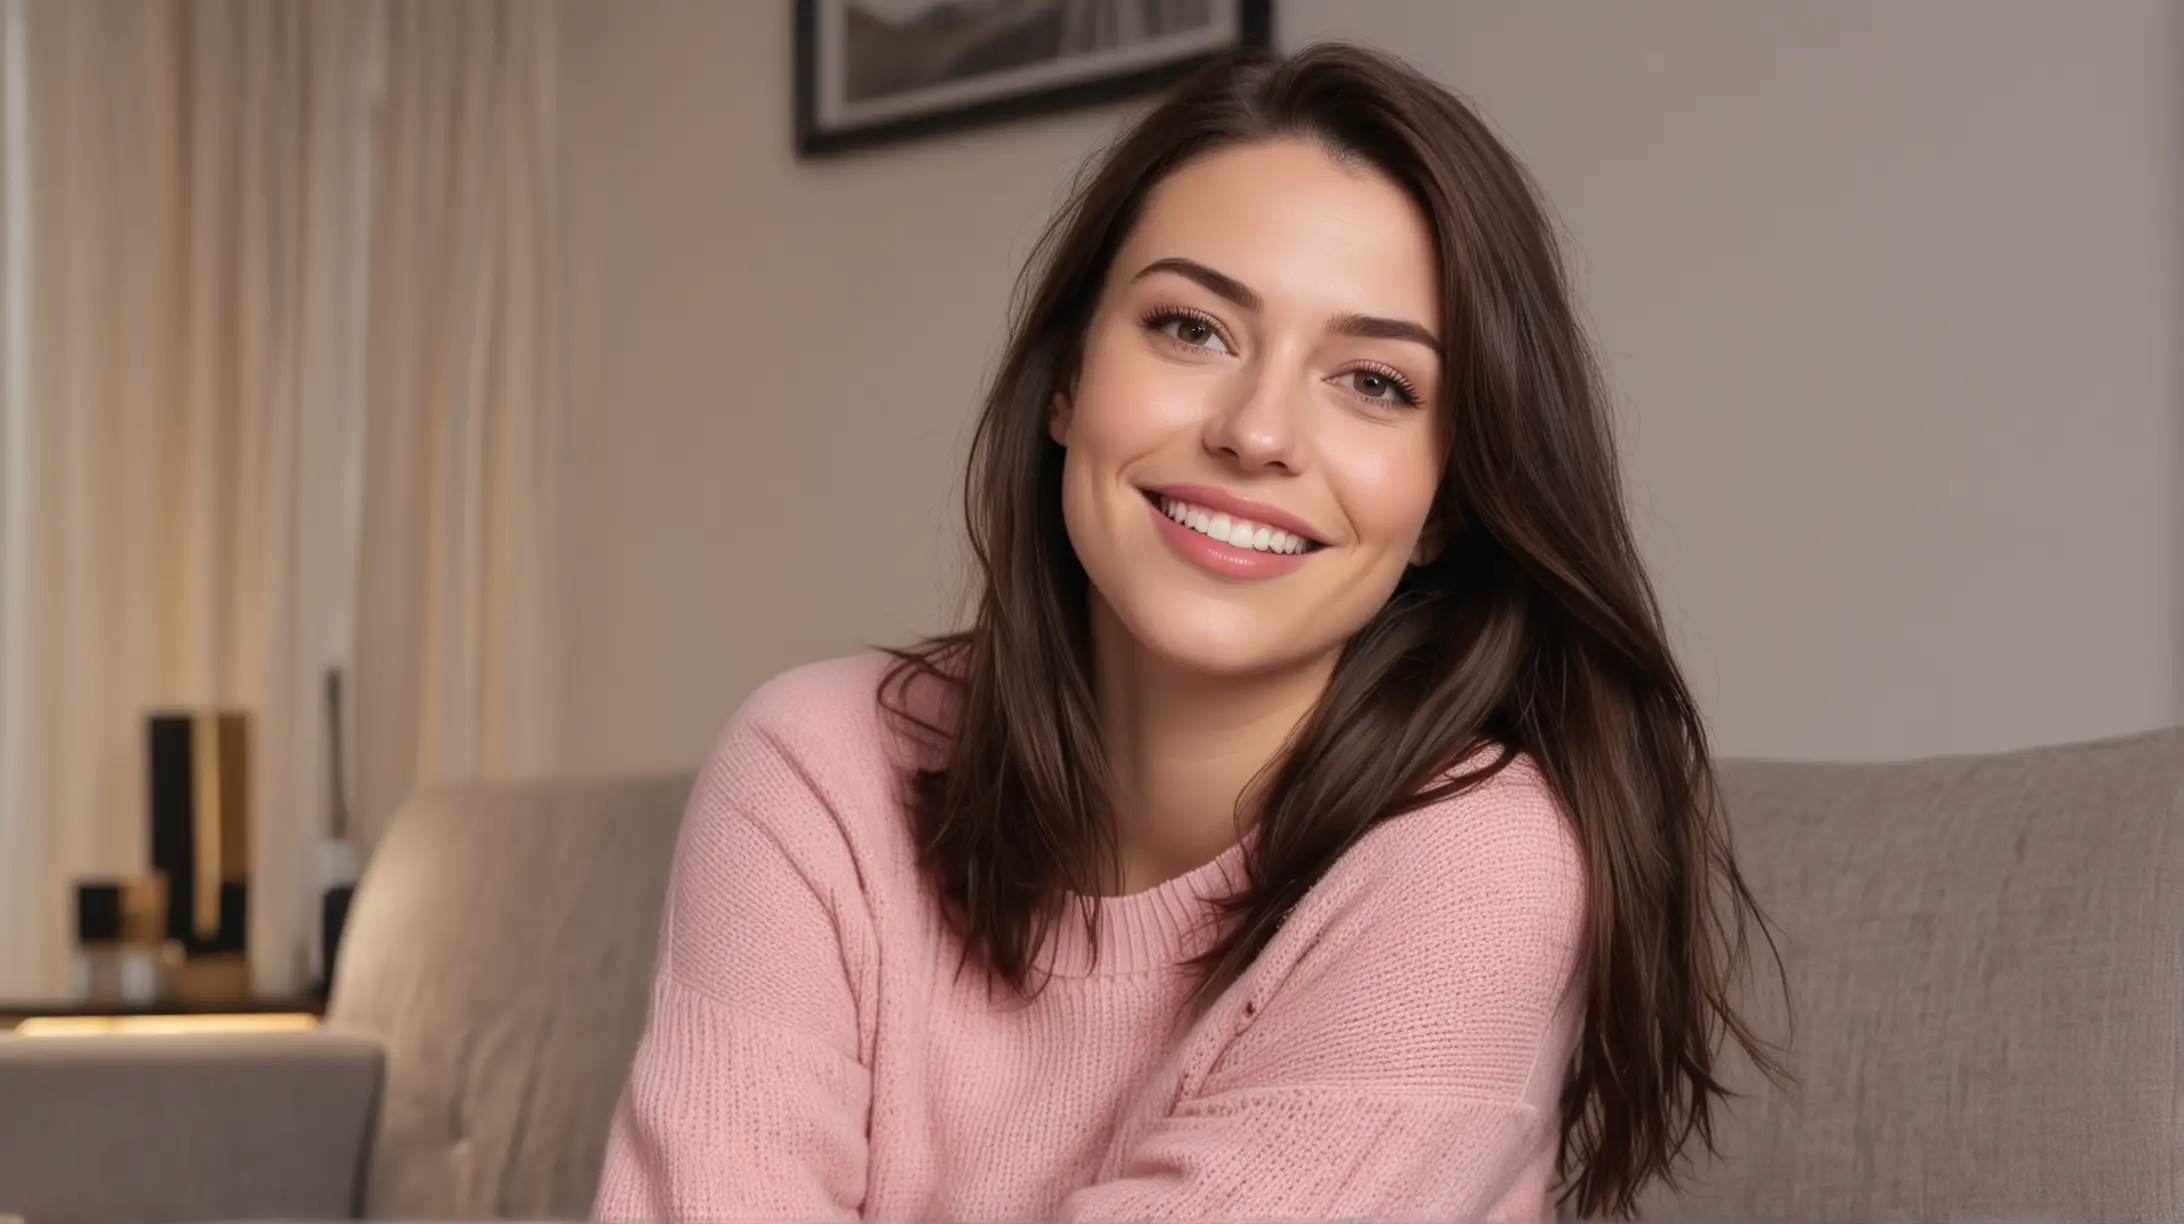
{"points": [[873, 71]]}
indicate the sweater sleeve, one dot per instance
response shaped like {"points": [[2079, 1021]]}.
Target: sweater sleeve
{"points": [[1404, 1062], [747, 1098]]}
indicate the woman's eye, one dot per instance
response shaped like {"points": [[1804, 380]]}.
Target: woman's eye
{"points": [[1376, 386], [1195, 332]]}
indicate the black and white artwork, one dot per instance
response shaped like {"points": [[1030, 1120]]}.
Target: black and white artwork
{"points": [[870, 71]]}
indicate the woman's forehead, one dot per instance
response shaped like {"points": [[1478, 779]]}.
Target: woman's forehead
{"points": [[1294, 225]]}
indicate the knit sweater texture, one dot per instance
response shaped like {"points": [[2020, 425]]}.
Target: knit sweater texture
{"points": [[812, 1050]]}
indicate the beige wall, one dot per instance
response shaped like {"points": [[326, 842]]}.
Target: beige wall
{"points": [[1890, 295]]}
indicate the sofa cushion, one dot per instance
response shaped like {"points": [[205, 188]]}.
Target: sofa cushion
{"points": [[1983, 955], [500, 949], [111, 1129]]}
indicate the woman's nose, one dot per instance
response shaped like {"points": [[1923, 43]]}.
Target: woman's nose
{"points": [[1260, 428]]}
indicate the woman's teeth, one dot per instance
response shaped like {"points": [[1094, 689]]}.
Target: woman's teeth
{"points": [[1239, 533]]}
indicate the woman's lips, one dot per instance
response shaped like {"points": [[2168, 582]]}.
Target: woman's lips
{"points": [[1224, 558], [1220, 501]]}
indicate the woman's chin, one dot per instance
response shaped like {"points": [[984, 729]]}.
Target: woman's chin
{"points": [[1219, 647]]}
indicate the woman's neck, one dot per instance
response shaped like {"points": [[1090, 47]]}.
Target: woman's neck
{"points": [[1182, 747]]}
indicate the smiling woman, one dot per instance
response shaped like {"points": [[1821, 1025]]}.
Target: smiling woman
{"points": [[1258, 356], [1312, 822]]}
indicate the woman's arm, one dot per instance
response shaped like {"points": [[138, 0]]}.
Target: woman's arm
{"points": [[747, 1099], [1406, 1062]]}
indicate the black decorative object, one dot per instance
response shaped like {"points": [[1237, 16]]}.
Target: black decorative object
{"points": [[122, 956], [333, 916], [199, 767], [874, 71], [337, 857], [98, 914]]}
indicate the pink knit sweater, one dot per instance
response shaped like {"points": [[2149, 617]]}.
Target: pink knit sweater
{"points": [[1396, 1051]]}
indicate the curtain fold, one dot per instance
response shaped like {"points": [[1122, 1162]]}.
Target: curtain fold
{"points": [[457, 642]]}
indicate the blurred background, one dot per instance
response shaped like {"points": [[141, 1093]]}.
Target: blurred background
{"points": [[505, 388]]}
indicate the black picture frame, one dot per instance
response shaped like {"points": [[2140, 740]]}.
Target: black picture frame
{"points": [[1253, 27]]}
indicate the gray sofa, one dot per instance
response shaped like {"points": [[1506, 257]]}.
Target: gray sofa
{"points": [[1986, 956]]}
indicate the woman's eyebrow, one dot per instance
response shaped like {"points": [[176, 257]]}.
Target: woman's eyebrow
{"points": [[1373, 327], [1221, 284]]}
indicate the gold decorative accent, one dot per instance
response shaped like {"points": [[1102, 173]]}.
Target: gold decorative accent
{"points": [[220, 748], [235, 794], [205, 767], [144, 909]]}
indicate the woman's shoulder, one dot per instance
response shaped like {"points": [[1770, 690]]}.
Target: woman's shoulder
{"points": [[1512, 813], [860, 701], [1442, 947], [1507, 837], [813, 738], [827, 696]]}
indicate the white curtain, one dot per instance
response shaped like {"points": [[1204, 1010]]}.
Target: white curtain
{"points": [[279, 397], [458, 642]]}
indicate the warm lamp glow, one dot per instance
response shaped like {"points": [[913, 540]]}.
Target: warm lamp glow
{"points": [[69, 1026]]}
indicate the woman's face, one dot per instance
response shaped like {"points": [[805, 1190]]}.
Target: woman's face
{"points": [[1252, 448]]}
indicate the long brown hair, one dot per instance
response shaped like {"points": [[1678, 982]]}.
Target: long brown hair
{"points": [[1534, 630]]}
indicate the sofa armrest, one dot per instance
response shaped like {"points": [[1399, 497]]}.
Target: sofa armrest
{"points": [[108, 1129]]}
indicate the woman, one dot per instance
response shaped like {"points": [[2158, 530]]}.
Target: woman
{"points": [[1311, 823]]}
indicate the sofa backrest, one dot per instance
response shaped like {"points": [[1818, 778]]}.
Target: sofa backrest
{"points": [[1987, 987], [1985, 958], [500, 948]]}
